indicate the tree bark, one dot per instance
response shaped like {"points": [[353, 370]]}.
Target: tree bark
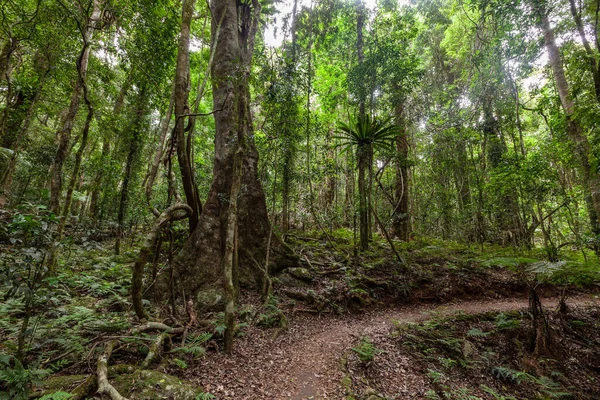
{"points": [[200, 261], [78, 155], [401, 223], [360, 22], [10, 45], [362, 158], [591, 178], [182, 73]]}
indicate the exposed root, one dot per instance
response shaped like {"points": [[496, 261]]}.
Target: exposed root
{"points": [[154, 349], [156, 326], [104, 386]]}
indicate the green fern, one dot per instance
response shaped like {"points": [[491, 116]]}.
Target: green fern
{"points": [[366, 350], [495, 394], [504, 322], [195, 351], [17, 379], [475, 332], [511, 375]]}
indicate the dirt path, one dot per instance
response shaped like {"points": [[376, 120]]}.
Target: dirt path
{"points": [[304, 362]]}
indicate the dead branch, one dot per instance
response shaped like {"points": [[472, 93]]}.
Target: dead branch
{"points": [[387, 237]]}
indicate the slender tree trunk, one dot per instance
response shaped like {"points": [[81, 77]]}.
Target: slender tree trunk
{"points": [[349, 210], [106, 141], [591, 178], [360, 22], [134, 146], [78, 155], [63, 135], [201, 260], [363, 165], [401, 223], [182, 73], [591, 54]]}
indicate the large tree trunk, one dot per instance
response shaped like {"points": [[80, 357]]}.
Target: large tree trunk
{"points": [[200, 262], [591, 178], [63, 135]]}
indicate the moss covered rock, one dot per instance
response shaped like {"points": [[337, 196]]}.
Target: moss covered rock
{"points": [[209, 299], [153, 385], [301, 273]]}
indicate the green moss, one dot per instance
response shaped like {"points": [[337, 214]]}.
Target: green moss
{"points": [[153, 385], [64, 382]]}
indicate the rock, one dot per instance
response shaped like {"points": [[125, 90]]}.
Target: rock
{"points": [[288, 280], [468, 349], [154, 385], [209, 299], [132, 383], [301, 273]]}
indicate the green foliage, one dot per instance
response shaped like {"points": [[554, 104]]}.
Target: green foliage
{"points": [[566, 272], [18, 380], [476, 332], [510, 375], [180, 363], [366, 350], [512, 263], [205, 396], [194, 345], [505, 322], [272, 316], [436, 376], [494, 394]]}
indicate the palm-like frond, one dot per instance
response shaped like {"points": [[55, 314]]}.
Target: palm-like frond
{"points": [[366, 131]]}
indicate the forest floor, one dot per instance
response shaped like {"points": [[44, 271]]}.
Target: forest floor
{"points": [[449, 321], [307, 362]]}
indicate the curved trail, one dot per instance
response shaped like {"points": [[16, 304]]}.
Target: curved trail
{"points": [[304, 361]]}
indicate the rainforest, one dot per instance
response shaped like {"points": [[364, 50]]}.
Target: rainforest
{"points": [[300, 199]]}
